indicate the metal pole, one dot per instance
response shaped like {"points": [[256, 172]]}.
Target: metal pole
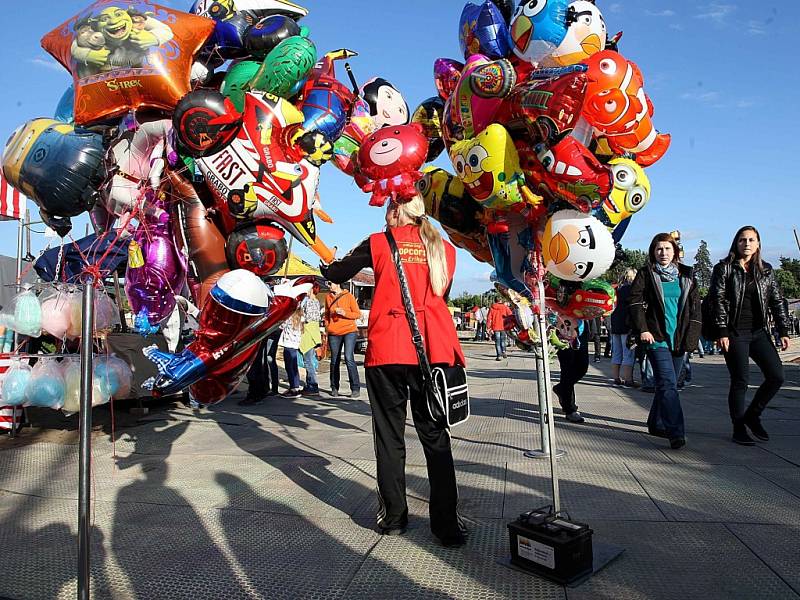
{"points": [[545, 408], [84, 483], [20, 238], [796, 239], [548, 401]]}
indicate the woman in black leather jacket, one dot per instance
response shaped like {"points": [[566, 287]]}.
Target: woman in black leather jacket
{"points": [[743, 290]]}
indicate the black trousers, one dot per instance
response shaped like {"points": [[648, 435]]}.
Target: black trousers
{"points": [[263, 374], [390, 387], [758, 346], [573, 364]]}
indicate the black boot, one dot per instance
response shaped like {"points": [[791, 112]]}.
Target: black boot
{"points": [[740, 435], [754, 424]]}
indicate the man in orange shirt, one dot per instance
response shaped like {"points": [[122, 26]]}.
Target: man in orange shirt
{"points": [[341, 313], [496, 325]]}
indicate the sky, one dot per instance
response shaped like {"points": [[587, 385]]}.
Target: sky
{"points": [[721, 76]]}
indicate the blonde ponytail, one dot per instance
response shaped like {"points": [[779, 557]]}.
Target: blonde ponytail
{"points": [[414, 210]]}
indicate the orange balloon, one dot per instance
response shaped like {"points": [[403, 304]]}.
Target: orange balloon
{"points": [[127, 54]]}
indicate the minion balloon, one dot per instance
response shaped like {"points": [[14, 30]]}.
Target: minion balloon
{"points": [[629, 195]]}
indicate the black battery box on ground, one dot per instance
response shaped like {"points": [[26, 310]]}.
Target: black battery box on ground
{"points": [[551, 545]]}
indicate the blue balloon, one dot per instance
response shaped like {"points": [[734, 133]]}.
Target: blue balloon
{"points": [[14, 384], [483, 30], [538, 27], [65, 111]]}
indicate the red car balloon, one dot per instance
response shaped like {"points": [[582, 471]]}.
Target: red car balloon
{"points": [[545, 109], [617, 106], [124, 55], [566, 171]]}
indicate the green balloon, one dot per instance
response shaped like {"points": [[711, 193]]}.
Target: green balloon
{"points": [[236, 82], [285, 65]]}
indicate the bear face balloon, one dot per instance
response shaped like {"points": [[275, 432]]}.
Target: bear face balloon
{"points": [[586, 35], [576, 246]]}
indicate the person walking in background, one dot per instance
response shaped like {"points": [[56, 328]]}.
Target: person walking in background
{"points": [[744, 291], [290, 340], [595, 326], [311, 340], [480, 327], [341, 314], [665, 314], [607, 324], [622, 357], [495, 324], [262, 377], [573, 363], [392, 367]]}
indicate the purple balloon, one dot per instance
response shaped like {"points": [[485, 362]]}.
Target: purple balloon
{"points": [[156, 271]]}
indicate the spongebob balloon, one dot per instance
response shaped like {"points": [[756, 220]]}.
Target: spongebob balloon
{"points": [[488, 165], [576, 246], [630, 193], [586, 35], [538, 27]]}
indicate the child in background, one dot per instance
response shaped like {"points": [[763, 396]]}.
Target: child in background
{"points": [[290, 340]]}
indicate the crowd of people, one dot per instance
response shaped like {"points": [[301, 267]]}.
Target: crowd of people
{"points": [[659, 322]]}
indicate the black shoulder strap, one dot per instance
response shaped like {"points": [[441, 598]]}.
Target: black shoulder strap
{"points": [[411, 314]]}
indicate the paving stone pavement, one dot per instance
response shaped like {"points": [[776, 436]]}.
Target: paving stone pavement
{"points": [[277, 500]]}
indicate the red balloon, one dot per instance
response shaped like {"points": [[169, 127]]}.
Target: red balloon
{"points": [[566, 171], [546, 109], [393, 150], [125, 55]]}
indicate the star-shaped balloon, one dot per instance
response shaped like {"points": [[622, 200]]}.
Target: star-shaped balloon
{"points": [[126, 55]]}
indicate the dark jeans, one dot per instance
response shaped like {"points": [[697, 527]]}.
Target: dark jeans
{"points": [[500, 343], [759, 347], [390, 387], [666, 412], [292, 369], [349, 342], [480, 331], [263, 374], [573, 364]]}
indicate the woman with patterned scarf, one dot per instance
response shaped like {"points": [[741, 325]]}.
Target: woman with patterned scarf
{"points": [[665, 313]]}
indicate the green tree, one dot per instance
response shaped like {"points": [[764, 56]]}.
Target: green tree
{"points": [[631, 259], [789, 282], [702, 267]]}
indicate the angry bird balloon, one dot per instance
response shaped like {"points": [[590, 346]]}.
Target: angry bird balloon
{"points": [[488, 166], [617, 106], [576, 246], [538, 27], [126, 55], [586, 35], [630, 193], [391, 158]]}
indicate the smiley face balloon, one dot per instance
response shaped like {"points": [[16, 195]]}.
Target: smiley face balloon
{"points": [[576, 246], [125, 55]]}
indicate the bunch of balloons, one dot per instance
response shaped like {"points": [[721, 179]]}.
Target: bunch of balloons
{"points": [[548, 129], [198, 134]]}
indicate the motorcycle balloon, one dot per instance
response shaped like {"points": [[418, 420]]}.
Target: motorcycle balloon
{"points": [[205, 122], [57, 166], [260, 249], [122, 59]]}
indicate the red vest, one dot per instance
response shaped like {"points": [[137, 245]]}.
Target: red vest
{"points": [[388, 332]]}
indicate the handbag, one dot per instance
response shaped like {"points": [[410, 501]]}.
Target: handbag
{"points": [[446, 389]]}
